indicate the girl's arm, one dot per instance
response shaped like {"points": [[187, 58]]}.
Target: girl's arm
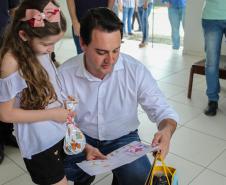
{"points": [[9, 114]]}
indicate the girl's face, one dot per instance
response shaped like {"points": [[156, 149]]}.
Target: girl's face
{"points": [[45, 45]]}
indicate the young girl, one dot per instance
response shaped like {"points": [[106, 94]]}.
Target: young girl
{"points": [[30, 92]]}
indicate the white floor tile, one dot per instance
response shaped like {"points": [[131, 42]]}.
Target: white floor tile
{"points": [[198, 99], [15, 155], [219, 164], [24, 179], [209, 178], [214, 126], [9, 171], [169, 90], [105, 181], [186, 113], [185, 169], [147, 129], [196, 147]]}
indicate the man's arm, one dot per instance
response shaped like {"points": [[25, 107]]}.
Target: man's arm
{"points": [[162, 138], [74, 19], [111, 4]]}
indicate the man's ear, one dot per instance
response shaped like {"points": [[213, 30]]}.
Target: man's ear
{"points": [[23, 35], [82, 44]]}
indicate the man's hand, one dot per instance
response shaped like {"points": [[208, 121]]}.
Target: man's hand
{"points": [[162, 140], [163, 136], [93, 153]]}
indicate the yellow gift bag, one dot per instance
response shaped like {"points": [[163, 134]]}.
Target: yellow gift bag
{"points": [[161, 175]]}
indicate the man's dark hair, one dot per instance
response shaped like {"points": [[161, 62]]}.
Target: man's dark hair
{"points": [[99, 18]]}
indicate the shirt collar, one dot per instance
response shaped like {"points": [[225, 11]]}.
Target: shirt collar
{"points": [[82, 72]]}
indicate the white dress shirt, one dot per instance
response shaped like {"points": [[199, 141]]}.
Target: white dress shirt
{"points": [[107, 108]]}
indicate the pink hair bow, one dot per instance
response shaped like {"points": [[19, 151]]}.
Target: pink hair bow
{"points": [[35, 18]]}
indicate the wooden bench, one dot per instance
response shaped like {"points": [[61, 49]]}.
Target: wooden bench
{"points": [[199, 68]]}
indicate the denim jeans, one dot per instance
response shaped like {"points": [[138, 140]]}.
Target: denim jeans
{"points": [[143, 16], [213, 34], [77, 42], [134, 173], [127, 16], [176, 16]]}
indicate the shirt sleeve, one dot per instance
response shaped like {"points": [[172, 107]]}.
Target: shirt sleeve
{"points": [[11, 86], [152, 99]]}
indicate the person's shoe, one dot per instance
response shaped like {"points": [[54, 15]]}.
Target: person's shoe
{"points": [[142, 45], [11, 141], [130, 34], [176, 48], [211, 109], [1, 153]]}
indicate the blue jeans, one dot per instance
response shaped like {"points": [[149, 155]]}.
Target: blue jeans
{"points": [[213, 34], [127, 16], [176, 16], [143, 16], [77, 42], [134, 173]]}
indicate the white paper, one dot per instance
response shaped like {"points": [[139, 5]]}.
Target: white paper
{"points": [[117, 158]]}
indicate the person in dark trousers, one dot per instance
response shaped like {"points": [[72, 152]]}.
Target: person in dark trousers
{"points": [[77, 9], [7, 8]]}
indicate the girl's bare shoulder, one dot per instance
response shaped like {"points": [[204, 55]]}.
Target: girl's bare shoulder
{"points": [[9, 65]]}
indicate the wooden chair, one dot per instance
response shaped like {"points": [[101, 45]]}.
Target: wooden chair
{"points": [[199, 68]]}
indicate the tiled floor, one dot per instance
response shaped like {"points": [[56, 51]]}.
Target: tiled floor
{"points": [[198, 148]]}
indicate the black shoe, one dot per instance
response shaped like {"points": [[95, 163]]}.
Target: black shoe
{"points": [[11, 141], [1, 153], [211, 109]]}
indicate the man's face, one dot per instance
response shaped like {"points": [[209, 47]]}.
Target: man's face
{"points": [[102, 52]]}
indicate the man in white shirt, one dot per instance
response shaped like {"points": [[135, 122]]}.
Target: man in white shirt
{"points": [[110, 85]]}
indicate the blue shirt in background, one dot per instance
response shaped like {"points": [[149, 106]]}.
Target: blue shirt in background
{"points": [[176, 3]]}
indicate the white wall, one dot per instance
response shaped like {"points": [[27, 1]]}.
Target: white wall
{"points": [[193, 38]]}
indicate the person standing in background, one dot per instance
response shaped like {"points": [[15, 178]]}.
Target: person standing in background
{"points": [[135, 16], [127, 15], [7, 8], [115, 8], [214, 27], [144, 10], [176, 13], [77, 9]]}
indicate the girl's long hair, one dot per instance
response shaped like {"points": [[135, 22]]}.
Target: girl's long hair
{"points": [[39, 92]]}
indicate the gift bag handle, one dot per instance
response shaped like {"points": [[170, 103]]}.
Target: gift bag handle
{"points": [[158, 157]]}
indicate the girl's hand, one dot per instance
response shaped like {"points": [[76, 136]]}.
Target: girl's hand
{"points": [[60, 115], [93, 153]]}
